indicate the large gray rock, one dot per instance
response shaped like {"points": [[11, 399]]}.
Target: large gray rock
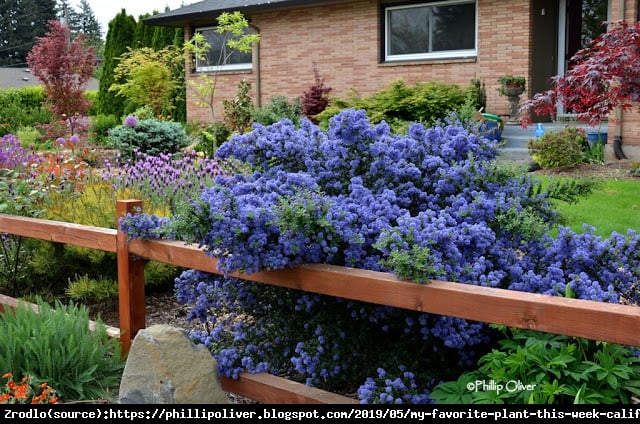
{"points": [[165, 367]]}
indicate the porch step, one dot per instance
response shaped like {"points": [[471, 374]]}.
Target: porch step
{"points": [[515, 138]]}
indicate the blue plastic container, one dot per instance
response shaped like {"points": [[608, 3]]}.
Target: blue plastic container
{"points": [[594, 137], [493, 126]]}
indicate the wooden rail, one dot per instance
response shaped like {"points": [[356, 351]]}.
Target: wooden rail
{"points": [[580, 318]]}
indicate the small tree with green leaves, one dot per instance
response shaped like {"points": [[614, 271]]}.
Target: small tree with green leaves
{"points": [[233, 27], [145, 76]]}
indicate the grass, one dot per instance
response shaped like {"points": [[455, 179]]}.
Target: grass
{"points": [[613, 206]]}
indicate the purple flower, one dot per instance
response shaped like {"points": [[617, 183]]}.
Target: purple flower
{"points": [[130, 121], [60, 141], [75, 139]]}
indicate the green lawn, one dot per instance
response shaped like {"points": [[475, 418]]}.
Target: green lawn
{"points": [[613, 206]]}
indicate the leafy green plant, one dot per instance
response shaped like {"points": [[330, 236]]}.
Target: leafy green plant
{"points": [[594, 153], [101, 124], [558, 148], [400, 104], [542, 368], [480, 91], [511, 81], [85, 289], [279, 107], [56, 346], [21, 107], [28, 136], [237, 111]]}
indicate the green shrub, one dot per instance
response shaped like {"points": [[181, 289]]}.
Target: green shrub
{"points": [[210, 138], [559, 148], [238, 110], [56, 346], [101, 125], [85, 289], [28, 136], [59, 265], [552, 369], [92, 97], [22, 107], [150, 136], [401, 104], [278, 108]]}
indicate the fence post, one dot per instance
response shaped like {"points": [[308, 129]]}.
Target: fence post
{"points": [[131, 301]]}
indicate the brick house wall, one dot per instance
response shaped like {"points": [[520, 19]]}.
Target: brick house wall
{"points": [[344, 42]]}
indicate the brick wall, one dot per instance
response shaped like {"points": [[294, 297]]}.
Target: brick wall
{"points": [[344, 40]]}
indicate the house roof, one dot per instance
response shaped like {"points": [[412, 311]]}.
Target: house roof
{"points": [[207, 11], [22, 77]]}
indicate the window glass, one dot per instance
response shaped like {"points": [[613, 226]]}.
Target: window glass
{"points": [[220, 56], [431, 30]]}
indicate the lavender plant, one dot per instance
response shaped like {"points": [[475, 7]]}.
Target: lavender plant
{"points": [[165, 180], [358, 195]]}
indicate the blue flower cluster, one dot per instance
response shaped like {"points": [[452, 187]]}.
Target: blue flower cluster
{"points": [[358, 196], [400, 390]]}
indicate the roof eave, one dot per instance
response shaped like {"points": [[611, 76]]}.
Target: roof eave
{"points": [[207, 16]]}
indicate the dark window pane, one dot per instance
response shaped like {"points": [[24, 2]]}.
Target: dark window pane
{"points": [[220, 54], [425, 28]]}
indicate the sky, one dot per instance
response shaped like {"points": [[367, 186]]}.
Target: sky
{"points": [[106, 10]]}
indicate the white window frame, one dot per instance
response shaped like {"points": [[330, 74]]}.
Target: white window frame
{"points": [[447, 54], [201, 67]]}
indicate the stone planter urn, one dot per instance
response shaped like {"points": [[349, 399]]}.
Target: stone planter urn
{"points": [[513, 95], [512, 86]]}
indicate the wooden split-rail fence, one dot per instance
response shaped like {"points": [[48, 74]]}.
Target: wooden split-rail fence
{"points": [[580, 318]]}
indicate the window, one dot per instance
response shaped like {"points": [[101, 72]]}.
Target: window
{"points": [[443, 29], [220, 57]]}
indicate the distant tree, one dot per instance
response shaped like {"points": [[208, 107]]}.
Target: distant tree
{"points": [[66, 13], [64, 66], [119, 37], [88, 24], [21, 21]]}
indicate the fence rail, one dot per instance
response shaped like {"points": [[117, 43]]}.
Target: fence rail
{"points": [[580, 318]]}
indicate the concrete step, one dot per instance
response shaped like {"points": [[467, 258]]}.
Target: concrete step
{"points": [[515, 138]]}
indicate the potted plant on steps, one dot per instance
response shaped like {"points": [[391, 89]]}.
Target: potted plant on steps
{"points": [[512, 86]]}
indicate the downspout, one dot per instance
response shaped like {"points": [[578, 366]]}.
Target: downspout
{"points": [[256, 48], [617, 135]]}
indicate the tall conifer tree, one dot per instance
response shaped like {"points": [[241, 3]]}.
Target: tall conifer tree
{"points": [[120, 36], [21, 21]]}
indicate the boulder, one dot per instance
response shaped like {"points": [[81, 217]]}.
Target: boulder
{"points": [[165, 367]]}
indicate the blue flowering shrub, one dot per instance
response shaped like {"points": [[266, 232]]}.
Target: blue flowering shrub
{"points": [[432, 203]]}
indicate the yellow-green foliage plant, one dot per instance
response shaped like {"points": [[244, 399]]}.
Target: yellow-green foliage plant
{"points": [[558, 148], [59, 264]]}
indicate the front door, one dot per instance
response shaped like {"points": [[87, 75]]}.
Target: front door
{"points": [[559, 29], [544, 47]]}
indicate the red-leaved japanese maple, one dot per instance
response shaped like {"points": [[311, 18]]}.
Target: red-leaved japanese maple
{"points": [[64, 67], [603, 77]]}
